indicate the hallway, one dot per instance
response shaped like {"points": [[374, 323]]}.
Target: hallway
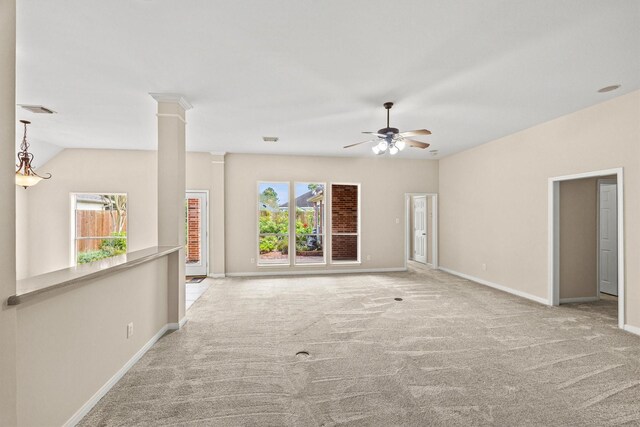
{"points": [[451, 352]]}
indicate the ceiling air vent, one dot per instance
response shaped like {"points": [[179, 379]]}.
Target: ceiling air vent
{"points": [[37, 109], [270, 138]]}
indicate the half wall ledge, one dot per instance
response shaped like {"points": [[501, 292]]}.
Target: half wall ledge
{"points": [[32, 287]]}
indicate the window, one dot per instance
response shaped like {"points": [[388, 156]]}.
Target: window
{"points": [[273, 223], [309, 220], [345, 223], [100, 226]]}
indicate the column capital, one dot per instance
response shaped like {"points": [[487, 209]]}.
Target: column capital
{"points": [[172, 97]]}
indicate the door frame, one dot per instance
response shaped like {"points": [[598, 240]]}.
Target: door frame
{"points": [[408, 228], [603, 181], [554, 236], [205, 218]]}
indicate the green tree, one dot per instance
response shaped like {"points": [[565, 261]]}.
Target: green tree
{"points": [[117, 207], [269, 197]]}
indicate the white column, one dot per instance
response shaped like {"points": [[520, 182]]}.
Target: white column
{"points": [[8, 324], [216, 206], [171, 192]]}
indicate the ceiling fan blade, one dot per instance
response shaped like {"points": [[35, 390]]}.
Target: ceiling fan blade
{"points": [[379, 135], [416, 132], [357, 143], [417, 144]]}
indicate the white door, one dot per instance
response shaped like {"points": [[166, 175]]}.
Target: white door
{"points": [[420, 229], [608, 239], [196, 208]]}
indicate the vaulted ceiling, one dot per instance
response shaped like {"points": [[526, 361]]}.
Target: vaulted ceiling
{"points": [[315, 73]]}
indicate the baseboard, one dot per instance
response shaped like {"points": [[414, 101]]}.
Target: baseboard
{"points": [[217, 276], [176, 326], [578, 299], [632, 329], [497, 286], [316, 272], [84, 410]]}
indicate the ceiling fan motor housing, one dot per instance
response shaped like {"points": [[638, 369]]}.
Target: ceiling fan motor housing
{"points": [[388, 131]]}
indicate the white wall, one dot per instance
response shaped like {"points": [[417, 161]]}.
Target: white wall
{"points": [[384, 181], [71, 342], [80, 170], [22, 233], [493, 198], [44, 230], [231, 181], [7, 213]]}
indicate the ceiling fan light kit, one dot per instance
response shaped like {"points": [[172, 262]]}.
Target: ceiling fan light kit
{"points": [[391, 140]]}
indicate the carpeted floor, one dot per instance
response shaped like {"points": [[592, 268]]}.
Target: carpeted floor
{"points": [[452, 352]]}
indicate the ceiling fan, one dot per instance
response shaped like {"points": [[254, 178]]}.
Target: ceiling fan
{"points": [[391, 139]]}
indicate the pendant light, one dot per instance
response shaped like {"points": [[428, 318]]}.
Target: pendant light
{"points": [[25, 175]]}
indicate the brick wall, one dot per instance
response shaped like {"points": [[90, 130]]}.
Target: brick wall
{"points": [[193, 230], [344, 219]]}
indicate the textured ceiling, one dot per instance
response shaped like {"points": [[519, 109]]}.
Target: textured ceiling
{"points": [[315, 73]]}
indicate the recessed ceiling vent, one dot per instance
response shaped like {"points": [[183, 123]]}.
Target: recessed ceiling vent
{"points": [[270, 138], [37, 109], [608, 88]]}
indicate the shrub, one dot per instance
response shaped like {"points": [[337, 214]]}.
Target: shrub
{"points": [[108, 248], [283, 246], [268, 244], [115, 245], [91, 256]]}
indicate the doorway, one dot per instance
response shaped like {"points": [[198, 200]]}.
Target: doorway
{"points": [[196, 232], [586, 239], [421, 231]]}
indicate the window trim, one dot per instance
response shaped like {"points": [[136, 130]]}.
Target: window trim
{"points": [[256, 200], [73, 217], [359, 232], [324, 228]]}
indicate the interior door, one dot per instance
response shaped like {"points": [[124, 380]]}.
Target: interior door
{"points": [[420, 229], [196, 233], [608, 238]]}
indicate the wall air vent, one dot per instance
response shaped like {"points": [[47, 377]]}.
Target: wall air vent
{"points": [[37, 109], [270, 138]]}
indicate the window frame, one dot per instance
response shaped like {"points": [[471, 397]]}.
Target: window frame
{"points": [[73, 225], [358, 261], [257, 226], [325, 234]]}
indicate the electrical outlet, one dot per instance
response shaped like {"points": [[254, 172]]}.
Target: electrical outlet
{"points": [[484, 267], [368, 257], [129, 330], [397, 220], [253, 260]]}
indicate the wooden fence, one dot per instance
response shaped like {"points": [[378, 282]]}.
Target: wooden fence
{"points": [[94, 224]]}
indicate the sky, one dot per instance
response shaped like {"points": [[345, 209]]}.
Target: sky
{"points": [[282, 188]]}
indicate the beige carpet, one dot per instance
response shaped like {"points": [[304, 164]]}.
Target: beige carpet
{"points": [[451, 353]]}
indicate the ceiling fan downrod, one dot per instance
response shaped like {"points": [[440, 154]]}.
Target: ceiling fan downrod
{"points": [[388, 106]]}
